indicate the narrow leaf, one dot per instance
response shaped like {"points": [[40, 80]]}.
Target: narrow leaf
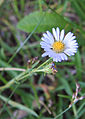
{"points": [[17, 105]]}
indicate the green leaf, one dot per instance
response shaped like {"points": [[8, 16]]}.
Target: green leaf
{"points": [[76, 5], [27, 99], [64, 96], [81, 107], [46, 21], [66, 86], [78, 65], [17, 105]]}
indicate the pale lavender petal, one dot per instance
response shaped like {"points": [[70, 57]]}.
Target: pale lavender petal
{"points": [[69, 52], [44, 44], [45, 35], [68, 36], [44, 54], [46, 49], [52, 54], [60, 57], [45, 40], [50, 37]]}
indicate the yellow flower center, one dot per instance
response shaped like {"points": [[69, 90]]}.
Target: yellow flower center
{"points": [[58, 46]]}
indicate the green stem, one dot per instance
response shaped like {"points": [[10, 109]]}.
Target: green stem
{"points": [[40, 6], [62, 112], [44, 63], [12, 81], [74, 110], [35, 93], [24, 75]]}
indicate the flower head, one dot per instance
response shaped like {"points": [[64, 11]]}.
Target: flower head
{"points": [[57, 45]]}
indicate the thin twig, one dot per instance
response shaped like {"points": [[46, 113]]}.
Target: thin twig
{"points": [[62, 112], [41, 102], [12, 69]]}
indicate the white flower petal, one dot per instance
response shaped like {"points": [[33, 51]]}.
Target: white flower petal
{"points": [[58, 33], [72, 38], [62, 35], [54, 33], [59, 58], [45, 35], [65, 57], [54, 59], [68, 36], [44, 54]]}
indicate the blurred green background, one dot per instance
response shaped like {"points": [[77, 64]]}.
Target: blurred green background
{"points": [[42, 95]]}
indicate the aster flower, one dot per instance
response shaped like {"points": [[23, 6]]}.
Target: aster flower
{"points": [[58, 46]]}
